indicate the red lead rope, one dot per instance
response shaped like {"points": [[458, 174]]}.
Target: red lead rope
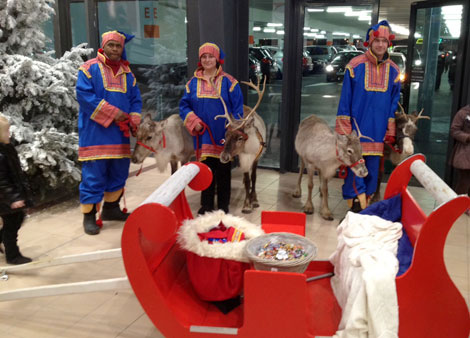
{"points": [[202, 131], [162, 142], [342, 169]]}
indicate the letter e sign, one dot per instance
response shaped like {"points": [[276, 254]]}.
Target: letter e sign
{"points": [[147, 12]]}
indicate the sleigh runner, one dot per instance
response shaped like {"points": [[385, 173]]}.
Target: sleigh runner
{"points": [[429, 303]]}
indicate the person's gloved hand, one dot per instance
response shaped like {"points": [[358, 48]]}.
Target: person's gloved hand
{"points": [[389, 139], [133, 127]]}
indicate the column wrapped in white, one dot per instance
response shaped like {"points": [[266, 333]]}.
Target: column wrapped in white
{"points": [[432, 182], [172, 187]]}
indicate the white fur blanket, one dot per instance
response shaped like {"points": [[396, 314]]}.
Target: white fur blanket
{"points": [[189, 240], [364, 282]]}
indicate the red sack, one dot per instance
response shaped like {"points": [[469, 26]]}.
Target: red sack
{"points": [[215, 279]]}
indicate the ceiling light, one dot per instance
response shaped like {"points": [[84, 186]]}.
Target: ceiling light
{"points": [[272, 24], [280, 32], [355, 36], [314, 30], [256, 29], [341, 33], [452, 9], [364, 18], [306, 28], [399, 29], [339, 9], [315, 10], [320, 36], [269, 30]]}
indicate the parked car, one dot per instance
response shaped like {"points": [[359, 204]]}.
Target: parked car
{"points": [[335, 69], [345, 48], [269, 67], [321, 56], [307, 63], [400, 60], [254, 71], [404, 49], [278, 55]]}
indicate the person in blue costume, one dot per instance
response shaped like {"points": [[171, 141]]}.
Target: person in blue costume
{"points": [[370, 95], [199, 106], [110, 108]]}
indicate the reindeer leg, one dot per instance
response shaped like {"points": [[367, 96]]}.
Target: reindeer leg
{"points": [[308, 208], [376, 197], [254, 197], [298, 191], [246, 204], [325, 210], [174, 166]]}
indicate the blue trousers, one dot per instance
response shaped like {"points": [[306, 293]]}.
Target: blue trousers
{"points": [[354, 185], [102, 175]]}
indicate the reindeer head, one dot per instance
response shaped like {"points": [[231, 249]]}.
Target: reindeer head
{"points": [[236, 136], [237, 131], [349, 152], [150, 139], [406, 126]]}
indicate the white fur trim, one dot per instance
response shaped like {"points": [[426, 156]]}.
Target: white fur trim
{"points": [[189, 240]]}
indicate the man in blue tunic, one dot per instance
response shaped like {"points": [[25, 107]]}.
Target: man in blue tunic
{"points": [[370, 95], [110, 107]]}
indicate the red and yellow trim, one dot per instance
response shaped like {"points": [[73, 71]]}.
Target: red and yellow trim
{"points": [[343, 125], [391, 127], [101, 152], [104, 113], [372, 148]]}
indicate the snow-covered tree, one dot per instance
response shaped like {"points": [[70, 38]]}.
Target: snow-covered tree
{"points": [[37, 94], [166, 84]]}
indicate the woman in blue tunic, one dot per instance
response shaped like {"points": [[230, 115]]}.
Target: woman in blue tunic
{"points": [[200, 104]]}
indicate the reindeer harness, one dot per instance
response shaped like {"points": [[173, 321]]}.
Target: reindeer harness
{"points": [[162, 142], [342, 169]]}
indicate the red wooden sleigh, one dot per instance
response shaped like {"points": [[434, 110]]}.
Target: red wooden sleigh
{"points": [[281, 304]]}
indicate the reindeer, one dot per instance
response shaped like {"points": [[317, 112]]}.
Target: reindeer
{"points": [[245, 138], [406, 126], [168, 140], [321, 149]]}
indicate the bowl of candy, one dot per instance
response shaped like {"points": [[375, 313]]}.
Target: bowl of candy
{"points": [[280, 251]]}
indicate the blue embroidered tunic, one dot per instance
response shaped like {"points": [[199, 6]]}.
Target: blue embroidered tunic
{"points": [[201, 102], [101, 95], [370, 95]]}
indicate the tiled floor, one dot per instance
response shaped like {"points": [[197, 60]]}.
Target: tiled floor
{"points": [[58, 231]]}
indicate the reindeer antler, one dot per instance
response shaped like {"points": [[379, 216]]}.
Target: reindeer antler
{"points": [[422, 117], [359, 132], [260, 95], [401, 108], [226, 113]]}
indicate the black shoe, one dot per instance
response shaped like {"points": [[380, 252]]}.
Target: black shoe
{"points": [[20, 259], [202, 210], [112, 212], [89, 222], [356, 207]]}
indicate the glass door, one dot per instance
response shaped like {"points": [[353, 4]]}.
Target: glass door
{"points": [[435, 31], [332, 36]]}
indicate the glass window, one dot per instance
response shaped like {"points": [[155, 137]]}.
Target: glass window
{"points": [[435, 49], [48, 30], [157, 53], [78, 23], [333, 35], [266, 56]]}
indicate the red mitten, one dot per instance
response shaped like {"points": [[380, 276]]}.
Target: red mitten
{"points": [[124, 127], [389, 139]]}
